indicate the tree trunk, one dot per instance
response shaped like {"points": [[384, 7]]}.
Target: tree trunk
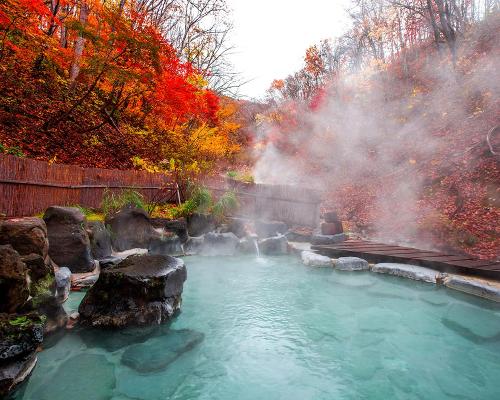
{"points": [[79, 45]]}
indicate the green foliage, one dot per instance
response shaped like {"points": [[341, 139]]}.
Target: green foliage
{"points": [[226, 204], [113, 202], [201, 199], [21, 321], [232, 174], [14, 151], [90, 214]]}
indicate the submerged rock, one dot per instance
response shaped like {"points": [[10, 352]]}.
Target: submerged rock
{"points": [[473, 323], [69, 244], [274, 245], [351, 264], [328, 239], [409, 271], [315, 260], [68, 382], [131, 228], [157, 353], [140, 290], [475, 286]]}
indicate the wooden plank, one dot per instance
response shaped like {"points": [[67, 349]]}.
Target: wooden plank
{"points": [[445, 258]]}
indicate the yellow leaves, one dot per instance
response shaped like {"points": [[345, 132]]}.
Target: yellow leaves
{"points": [[144, 164], [198, 81]]}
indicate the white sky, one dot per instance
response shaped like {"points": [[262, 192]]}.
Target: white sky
{"points": [[271, 36]]}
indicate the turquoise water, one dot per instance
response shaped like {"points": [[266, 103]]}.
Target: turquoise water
{"points": [[274, 329]]}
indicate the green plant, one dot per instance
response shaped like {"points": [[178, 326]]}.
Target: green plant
{"points": [[15, 151], [113, 202], [90, 214], [21, 321], [232, 174], [201, 199], [226, 204]]}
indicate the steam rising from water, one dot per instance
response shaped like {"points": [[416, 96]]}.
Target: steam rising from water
{"points": [[376, 128]]}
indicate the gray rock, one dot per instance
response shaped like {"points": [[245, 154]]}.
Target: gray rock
{"points": [[168, 246], [20, 335], [109, 261], [130, 228], [157, 353], [87, 281], [141, 290], [315, 260], [68, 382], [247, 245], [69, 244], [274, 245], [100, 240], [328, 239], [194, 245], [475, 286], [265, 229], [351, 264], [14, 372], [199, 224], [176, 226], [219, 244], [409, 271], [63, 283], [473, 323]]}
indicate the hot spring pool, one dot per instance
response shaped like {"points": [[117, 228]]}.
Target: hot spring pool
{"points": [[274, 329]]}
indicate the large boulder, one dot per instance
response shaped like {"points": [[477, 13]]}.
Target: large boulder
{"points": [[131, 228], [236, 226], [14, 283], [20, 336], [140, 290], [63, 283], [273, 245], [475, 286], [100, 240], [69, 244], [331, 228], [265, 229], [199, 224]]}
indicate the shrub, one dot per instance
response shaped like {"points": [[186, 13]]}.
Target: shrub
{"points": [[226, 204], [113, 202]]}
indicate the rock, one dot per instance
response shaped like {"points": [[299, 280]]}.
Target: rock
{"points": [[20, 336], [131, 252], [168, 246], [331, 228], [351, 264], [475, 286], [86, 282], [265, 229], [38, 268], [131, 228], [473, 323], [237, 226], [26, 235], [157, 353], [328, 239], [140, 290], [219, 244], [331, 217], [100, 240], [194, 245], [315, 260], [273, 245], [69, 244], [63, 283], [199, 224], [300, 235], [15, 372], [110, 261], [47, 305], [14, 285], [68, 382], [409, 271], [177, 226], [248, 245]]}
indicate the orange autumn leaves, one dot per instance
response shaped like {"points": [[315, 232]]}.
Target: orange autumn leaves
{"points": [[96, 83]]}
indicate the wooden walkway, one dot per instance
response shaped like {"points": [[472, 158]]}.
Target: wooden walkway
{"points": [[377, 252]]}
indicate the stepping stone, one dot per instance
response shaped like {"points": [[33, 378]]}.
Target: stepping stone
{"points": [[351, 264], [409, 271]]}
